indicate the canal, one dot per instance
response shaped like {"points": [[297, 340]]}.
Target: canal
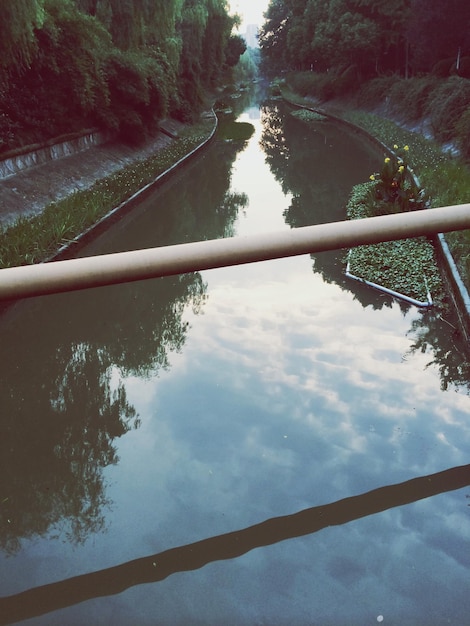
{"points": [[263, 444]]}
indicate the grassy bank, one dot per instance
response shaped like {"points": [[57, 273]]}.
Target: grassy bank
{"points": [[35, 239]]}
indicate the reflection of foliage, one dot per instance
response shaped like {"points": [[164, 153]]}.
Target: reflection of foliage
{"points": [[60, 419], [318, 165], [63, 358], [139, 343], [435, 334], [235, 131], [274, 143], [53, 449], [301, 159]]}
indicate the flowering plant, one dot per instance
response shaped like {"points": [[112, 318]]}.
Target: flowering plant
{"points": [[394, 184]]}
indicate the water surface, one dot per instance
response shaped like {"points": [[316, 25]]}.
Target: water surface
{"points": [[277, 411]]}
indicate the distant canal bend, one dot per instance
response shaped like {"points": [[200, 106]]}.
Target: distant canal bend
{"points": [[264, 444]]}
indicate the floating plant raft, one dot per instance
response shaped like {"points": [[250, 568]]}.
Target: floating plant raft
{"points": [[405, 269]]}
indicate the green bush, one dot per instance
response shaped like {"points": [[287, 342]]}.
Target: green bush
{"points": [[462, 129], [446, 106], [64, 85], [129, 97], [375, 92], [443, 68], [348, 81], [325, 86], [306, 83], [409, 98]]}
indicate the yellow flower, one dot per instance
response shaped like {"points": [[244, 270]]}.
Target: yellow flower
{"points": [[372, 177], [401, 169], [406, 148], [387, 160], [395, 147]]}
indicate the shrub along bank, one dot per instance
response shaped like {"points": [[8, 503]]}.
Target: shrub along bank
{"points": [[444, 103]]}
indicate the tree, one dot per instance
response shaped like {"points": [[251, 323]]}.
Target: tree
{"points": [[17, 39], [345, 38], [273, 35], [438, 31], [236, 47], [306, 34], [120, 64]]}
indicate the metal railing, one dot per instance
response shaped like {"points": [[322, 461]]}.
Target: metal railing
{"points": [[96, 271]]}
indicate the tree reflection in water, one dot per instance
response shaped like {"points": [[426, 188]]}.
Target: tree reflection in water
{"points": [[63, 358], [435, 334], [300, 157]]}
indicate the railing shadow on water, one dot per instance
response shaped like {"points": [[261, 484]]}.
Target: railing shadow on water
{"points": [[156, 567]]}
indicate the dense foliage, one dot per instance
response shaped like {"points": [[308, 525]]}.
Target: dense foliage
{"points": [[370, 36], [119, 65]]}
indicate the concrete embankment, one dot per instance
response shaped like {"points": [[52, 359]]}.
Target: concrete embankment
{"points": [[33, 179]]}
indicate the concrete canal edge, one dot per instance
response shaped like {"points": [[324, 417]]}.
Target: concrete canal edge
{"points": [[453, 280], [449, 271], [70, 249], [30, 156]]}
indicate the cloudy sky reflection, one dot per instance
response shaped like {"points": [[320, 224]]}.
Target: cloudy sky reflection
{"points": [[299, 398], [287, 394]]}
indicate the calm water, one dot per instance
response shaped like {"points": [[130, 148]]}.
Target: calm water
{"points": [[263, 444]]}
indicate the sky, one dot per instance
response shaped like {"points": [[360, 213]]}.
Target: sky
{"points": [[250, 10]]}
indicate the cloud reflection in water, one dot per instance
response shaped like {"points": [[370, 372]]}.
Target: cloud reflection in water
{"points": [[299, 398]]}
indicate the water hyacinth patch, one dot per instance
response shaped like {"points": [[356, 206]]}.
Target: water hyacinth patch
{"points": [[306, 115], [407, 266], [445, 177]]}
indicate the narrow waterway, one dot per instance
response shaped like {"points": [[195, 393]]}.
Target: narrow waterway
{"points": [[263, 444]]}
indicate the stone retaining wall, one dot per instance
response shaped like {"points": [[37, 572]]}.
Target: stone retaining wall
{"points": [[49, 152]]}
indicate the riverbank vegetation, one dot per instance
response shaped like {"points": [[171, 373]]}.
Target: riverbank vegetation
{"points": [[400, 70], [444, 178], [116, 65], [410, 58], [367, 38], [35, 239]]}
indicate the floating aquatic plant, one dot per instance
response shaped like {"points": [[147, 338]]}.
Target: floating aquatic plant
{"points": [[407, 266], [308, 116]]}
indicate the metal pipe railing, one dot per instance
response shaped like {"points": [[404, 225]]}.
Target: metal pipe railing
{"points": [[83, 273]]}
